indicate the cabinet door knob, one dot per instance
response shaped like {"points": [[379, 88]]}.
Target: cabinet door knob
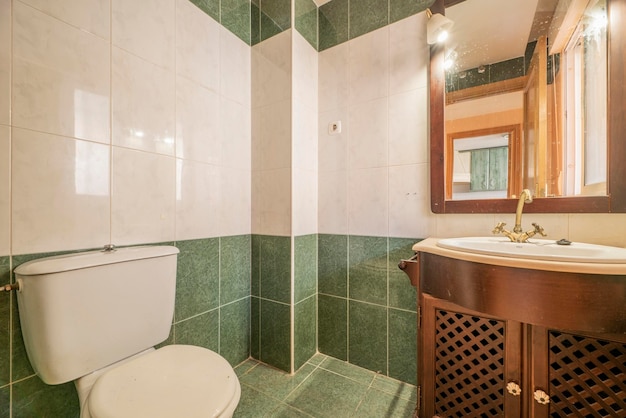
{"points": [[541, 397], [514, 389]]}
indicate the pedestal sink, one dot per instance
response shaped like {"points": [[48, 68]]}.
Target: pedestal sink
{"points": [[537, 249]]}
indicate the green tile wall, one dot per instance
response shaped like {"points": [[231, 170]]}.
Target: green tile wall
{"points": [[366, 305], [5, 399], [275, 268], [197, 277], [201, 330], [305, 265], [305, 336], [306, 20], [271, 300], [333, 326], [272, 304], [367, 16], [367, 269], [490, 73], [342, 20], [333, 23], [275, 334], [33, 398], [212, 310]]}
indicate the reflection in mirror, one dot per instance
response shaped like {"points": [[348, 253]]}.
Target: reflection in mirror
{"points": [[484, 163], [536, 81]]}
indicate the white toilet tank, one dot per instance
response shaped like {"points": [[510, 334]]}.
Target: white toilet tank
{"points": [[81, 312]]}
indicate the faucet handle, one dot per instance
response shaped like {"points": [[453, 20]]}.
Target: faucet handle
{"points": [[499, 228], [539, 230]]}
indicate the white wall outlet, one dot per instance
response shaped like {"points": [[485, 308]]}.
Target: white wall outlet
{"points": [[334, 127]]}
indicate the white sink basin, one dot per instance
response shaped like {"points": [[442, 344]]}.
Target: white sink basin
{"points": [[537, 249]]}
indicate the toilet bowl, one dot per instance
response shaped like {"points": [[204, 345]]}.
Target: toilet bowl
{"points": [[173, 381]]}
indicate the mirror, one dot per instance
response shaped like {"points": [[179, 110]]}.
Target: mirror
{"points": [[591, 180]]}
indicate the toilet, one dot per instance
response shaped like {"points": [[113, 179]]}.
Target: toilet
{"points": [[95, 318]]}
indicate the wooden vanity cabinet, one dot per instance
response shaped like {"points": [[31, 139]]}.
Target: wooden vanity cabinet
{"points": [[491, 337]]}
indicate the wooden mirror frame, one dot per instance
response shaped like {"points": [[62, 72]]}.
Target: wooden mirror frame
{"points": [[614, 201]]}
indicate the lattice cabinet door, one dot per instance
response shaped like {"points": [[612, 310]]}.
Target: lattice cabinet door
{"points": [[581, 375], [471, 363]]}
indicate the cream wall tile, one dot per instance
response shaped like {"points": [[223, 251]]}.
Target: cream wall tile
{"points": [[465, 225], [94, 16], [333, 202], [275, 202], [408, 127], [368, 206], [198, 200], [275, 135], [305, 138], [368, 142], [145, 28], [271, 70], [409, 202], [304, 216], [604, 229], [198, 127], [409, 54], [333, 149], [143, 107], [369, 66], [235, 134], [5, 61], [235, 68], [235, 202], [60, 193], [255, 138], [256, 193], [333, 77], [305, 69], [5, 190], [143, 190], [305, 202], [61, 77], [197, 45]]}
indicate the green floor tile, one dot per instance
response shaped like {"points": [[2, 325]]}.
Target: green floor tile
{"points": [[348, 370], [273, 382], [378, 404], [326, 394]]}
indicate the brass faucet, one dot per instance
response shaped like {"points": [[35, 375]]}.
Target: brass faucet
{"points": [[517, 235]]}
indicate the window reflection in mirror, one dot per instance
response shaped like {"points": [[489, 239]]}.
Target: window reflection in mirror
{"points": [[548, 87]]}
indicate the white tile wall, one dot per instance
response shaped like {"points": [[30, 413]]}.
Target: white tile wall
{"points": [[93, 16], [143, 104], [82, 81], [305, 137], [60, 192], [126, 125], [5, 61], [61, 77], [5, 190], [197, 122], [143, 190], [146, 28], [271, 147], [197, 46]]}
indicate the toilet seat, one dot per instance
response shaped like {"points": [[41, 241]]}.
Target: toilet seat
{"points": [[173, 381]]}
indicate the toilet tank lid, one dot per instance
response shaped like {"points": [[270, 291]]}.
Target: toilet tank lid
{"points": [[76, 261]]}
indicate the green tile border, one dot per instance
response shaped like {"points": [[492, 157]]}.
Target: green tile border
{"points": [[331, 24], [306, 18]]}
